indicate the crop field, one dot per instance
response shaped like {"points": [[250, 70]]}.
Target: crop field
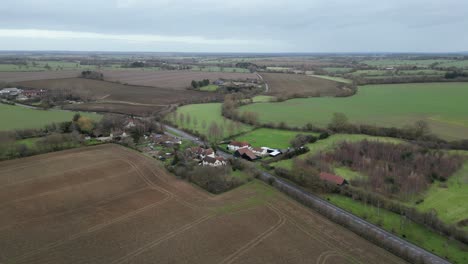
{"points": [[331, 142], [17, 117], [273, 138], [114, 95], [337, 70], [218, 69], [444, 63], [117, 206], [290, 84], [209, 88], [205, 115], [442, 105], [401, 62], [13, 77], [179, 80]]}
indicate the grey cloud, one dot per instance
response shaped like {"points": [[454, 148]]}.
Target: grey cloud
{"points": [[296, 26]]}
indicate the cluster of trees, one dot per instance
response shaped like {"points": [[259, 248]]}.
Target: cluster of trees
{"points": [[420, 129], [229, 109], [305, 173], [199, 84], [394, 170], [58, 136], [301, 140], [136, 64], [213, 179], [247, 65], [455, 74], [59, 96], [92, 75]]}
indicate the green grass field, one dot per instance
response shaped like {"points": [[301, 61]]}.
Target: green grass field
{"points": [[207, 113], [449, 199], [17, 117], [263, 99], [337, 70], [401, 62], [415, 233], [330, 143], [273, 138], [442, 105], [209, 88]]}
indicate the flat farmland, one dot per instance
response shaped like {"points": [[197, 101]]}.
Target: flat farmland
{"points": [[125, 98], [290, 84], [442, 105], [13, 77], [179, 80], [108, 204], [17, 117]]}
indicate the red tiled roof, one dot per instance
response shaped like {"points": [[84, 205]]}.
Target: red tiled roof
{"points": [[332, 178], [247, 152]]}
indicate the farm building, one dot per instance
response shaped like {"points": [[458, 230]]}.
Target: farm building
{"points": [[10, 91], [331, 178], [260, 151], [245, 153], [34, 93], [200, 153], [272, 152], [213, 162], [235, 145]]}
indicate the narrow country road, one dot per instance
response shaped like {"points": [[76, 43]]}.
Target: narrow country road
{"points": [[283, 185], [267, 88]]}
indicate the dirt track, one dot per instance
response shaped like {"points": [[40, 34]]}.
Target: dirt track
{"points": [[108, 204]]}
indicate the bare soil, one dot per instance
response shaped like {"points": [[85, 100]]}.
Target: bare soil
{"points": [[13, 77], [120, 98], [179, 80], [283, 84], [109, 204]]}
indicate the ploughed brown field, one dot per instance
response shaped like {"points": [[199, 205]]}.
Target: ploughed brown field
{"points": [[170, 79], [120, 98], [13, 77], [291, 84], [107, 204]]}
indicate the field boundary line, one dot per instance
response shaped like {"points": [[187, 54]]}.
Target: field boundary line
{"points": [[162, 239], [83, 152], [254, 242], [92, 229], [323, 241], [320, 218]]}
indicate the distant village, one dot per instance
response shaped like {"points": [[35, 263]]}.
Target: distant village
{"points": [[20, 94]]}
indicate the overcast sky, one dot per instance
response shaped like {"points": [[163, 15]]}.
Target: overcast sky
{"points": [[235, 26]]}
